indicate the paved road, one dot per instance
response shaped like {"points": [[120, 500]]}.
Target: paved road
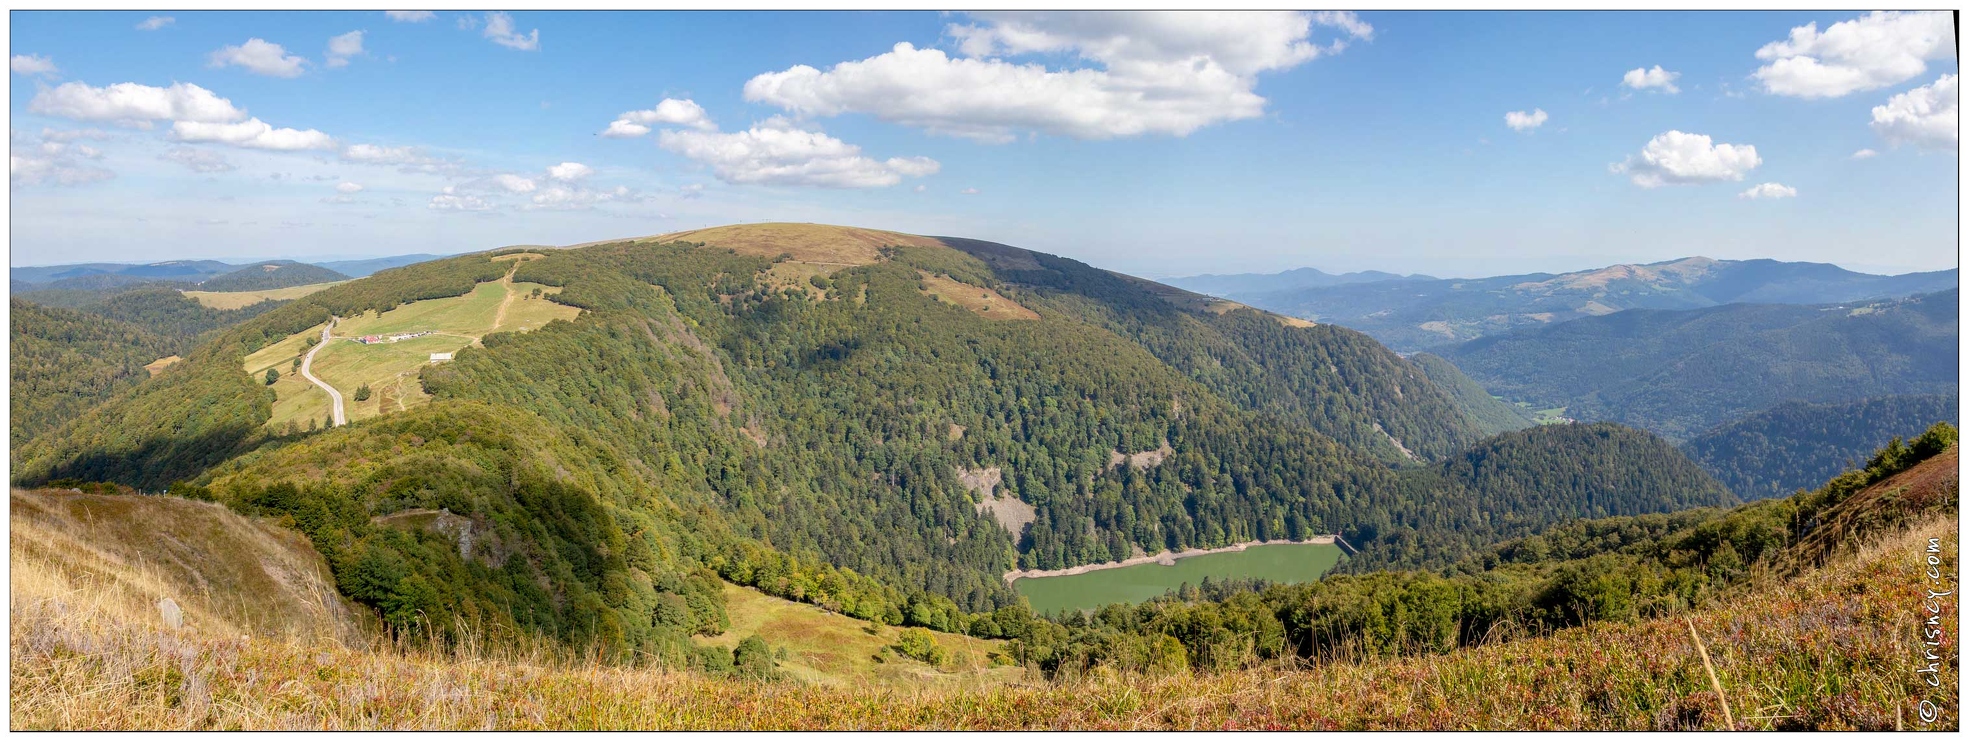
{"points": [[307, 362]]}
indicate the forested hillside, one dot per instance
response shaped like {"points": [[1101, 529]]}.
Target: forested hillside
{"points": [[1488, 413], [819, 412], [1795, 445], [66, 360], [1681, 373], [275, 274]]}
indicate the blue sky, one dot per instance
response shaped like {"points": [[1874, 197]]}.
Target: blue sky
{"points": [[1152, 145]]}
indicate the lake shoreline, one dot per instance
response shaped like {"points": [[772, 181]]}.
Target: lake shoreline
{"points": [[1165, 558]]}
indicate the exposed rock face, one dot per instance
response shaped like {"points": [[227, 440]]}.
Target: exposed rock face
{"points": [[1012, 514], [1144, 460]]}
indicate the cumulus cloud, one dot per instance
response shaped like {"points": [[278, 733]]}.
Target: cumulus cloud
{"points": [[1769, 190], [778, 152], [410, 16], [33, 64], [260, 57], [500, 29], [969, 191], [156, 22], [1863, 154], [1677, 158], [569, 171], [1521, 121], [567, 197], [1642, 78], [670, 111], [348, 187], [69, 135], [131, 103], [252, 134], [1145, 73], [1873, 51], [1924, 117], [342, 48], [198, 160]]}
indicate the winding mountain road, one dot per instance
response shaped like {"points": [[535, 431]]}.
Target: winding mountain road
{"points": [[307, 362]]}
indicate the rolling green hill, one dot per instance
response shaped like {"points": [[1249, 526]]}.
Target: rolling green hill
{"points": [[818, 412], [273, 274], [1797, 445], [1679, 373]]}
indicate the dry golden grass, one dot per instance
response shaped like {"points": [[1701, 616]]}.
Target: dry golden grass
{"points": [[156, 367], [808, 243], [237, 299], [984, 302], [833, 649]]}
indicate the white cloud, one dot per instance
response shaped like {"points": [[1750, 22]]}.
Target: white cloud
{"points": [[1769, 190], [410, 16], [569, 171], [1924, 117], [406, 159], [130, 103], [574, 197], [252, 134], [1863, 154], [156, 22], [1873, 51], [514, 183], [53, 163], [198, 160], [449, 201], [499, 27], [33, 64], [920, 188], [969, 191], [348, 187], [1677, 158], [777, 152], [693, 191], [342, 48], [620, 129], [260, 57], [1642, 78], [670, 111], [1148, 73], [1521, 121]]}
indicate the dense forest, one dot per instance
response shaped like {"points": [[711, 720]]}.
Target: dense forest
{"points": [[1679, 373], [276, 274], [705, 416], [1796, 445], [1488, 413], [66, 361]]}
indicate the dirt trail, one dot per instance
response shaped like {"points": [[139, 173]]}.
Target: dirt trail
{"points": [[307, 364], [499, 317]]}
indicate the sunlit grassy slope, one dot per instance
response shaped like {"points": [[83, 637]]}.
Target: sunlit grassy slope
{"points": [[832, 649], [237, 299]]}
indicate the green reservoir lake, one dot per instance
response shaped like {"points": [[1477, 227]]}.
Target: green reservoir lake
{"points": [[1139, 582]]}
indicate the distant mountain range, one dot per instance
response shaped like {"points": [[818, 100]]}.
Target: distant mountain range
{"points": [[1298, 278], [1417, 312], [98, 275], [1679, 373]]}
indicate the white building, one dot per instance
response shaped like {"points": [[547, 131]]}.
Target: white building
{"points": [[435, 357]]}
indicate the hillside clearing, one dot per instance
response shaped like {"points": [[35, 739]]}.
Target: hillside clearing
{"points": [[157, 367], [835, 650], [985, 302], [237, 299]]}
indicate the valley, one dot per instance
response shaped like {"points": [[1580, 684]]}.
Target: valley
{"points": [[1086, 588]]}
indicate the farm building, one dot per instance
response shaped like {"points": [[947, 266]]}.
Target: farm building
{"points": [[435, 357]]}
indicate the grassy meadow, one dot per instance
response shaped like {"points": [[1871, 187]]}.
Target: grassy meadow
{"points": [[238, 299]]}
